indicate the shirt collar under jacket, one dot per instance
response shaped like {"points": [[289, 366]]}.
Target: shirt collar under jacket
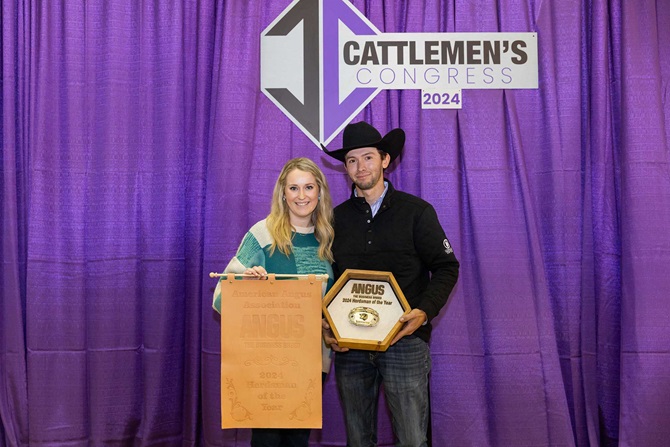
{"points": [[378, 203]]}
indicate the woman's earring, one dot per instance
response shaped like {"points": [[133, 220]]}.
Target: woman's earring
{"points": [[284, 198]]}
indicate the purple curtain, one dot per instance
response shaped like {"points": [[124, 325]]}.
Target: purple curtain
{"points": [[137, 149]]}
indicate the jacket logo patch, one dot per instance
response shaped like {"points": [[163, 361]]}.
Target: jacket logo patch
{"points": [[447, 246]]}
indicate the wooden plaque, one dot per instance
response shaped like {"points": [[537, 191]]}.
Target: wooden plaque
{"points": [[271, 353], [363, 308]]}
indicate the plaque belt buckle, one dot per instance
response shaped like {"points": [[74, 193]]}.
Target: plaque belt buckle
{"points": [[363, 316]]}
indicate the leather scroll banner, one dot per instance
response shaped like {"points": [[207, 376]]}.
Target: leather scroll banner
{"points": [[271, 353]]}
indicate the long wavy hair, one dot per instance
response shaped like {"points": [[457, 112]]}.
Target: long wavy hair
{"points": [[278, 220]]}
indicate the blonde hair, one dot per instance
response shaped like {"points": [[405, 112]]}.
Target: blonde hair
{"points": [[278, 220]]}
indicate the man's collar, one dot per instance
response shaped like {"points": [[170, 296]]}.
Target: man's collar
{"points": [[388, 192], [386, 188]]}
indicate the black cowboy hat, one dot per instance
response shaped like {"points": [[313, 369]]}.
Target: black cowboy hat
{"points": [[362, 134]]}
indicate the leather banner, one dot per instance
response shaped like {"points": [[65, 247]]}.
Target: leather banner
{"points": [[271, 353]]}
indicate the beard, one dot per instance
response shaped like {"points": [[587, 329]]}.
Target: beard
{"points": [[370, 183]]}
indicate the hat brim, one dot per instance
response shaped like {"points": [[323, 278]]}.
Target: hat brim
{"points": [[392, 144]]}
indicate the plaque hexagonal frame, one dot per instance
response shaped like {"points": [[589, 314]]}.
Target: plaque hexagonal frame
{"points": [[362, 311]]}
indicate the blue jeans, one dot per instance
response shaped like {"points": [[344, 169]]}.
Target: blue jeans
{"points": [[404, 370]]}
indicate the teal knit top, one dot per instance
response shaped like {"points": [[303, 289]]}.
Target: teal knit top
{"points": [[255, 250], [304, 259]]}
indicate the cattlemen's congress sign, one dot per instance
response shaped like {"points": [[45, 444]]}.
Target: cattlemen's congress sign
{"points": [[322, 61]]}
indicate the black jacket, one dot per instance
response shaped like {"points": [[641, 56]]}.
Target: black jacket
{"points": [[405, 238]]}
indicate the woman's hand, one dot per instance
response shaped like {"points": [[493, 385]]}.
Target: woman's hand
{"points": [[256, 272]]}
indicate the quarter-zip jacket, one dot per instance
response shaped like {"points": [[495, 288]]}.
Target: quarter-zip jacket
{"points": [[405, 238]]}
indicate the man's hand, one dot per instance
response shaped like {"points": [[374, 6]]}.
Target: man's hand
{"points": [[329, 337], [413, 320]]}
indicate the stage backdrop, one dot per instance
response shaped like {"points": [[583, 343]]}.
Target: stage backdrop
{"points": [[137, 149]]}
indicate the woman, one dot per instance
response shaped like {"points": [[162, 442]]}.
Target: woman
{"points": [[295, 238]]}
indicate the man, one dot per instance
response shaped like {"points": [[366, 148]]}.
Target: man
{"points": [[380, 228]]}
